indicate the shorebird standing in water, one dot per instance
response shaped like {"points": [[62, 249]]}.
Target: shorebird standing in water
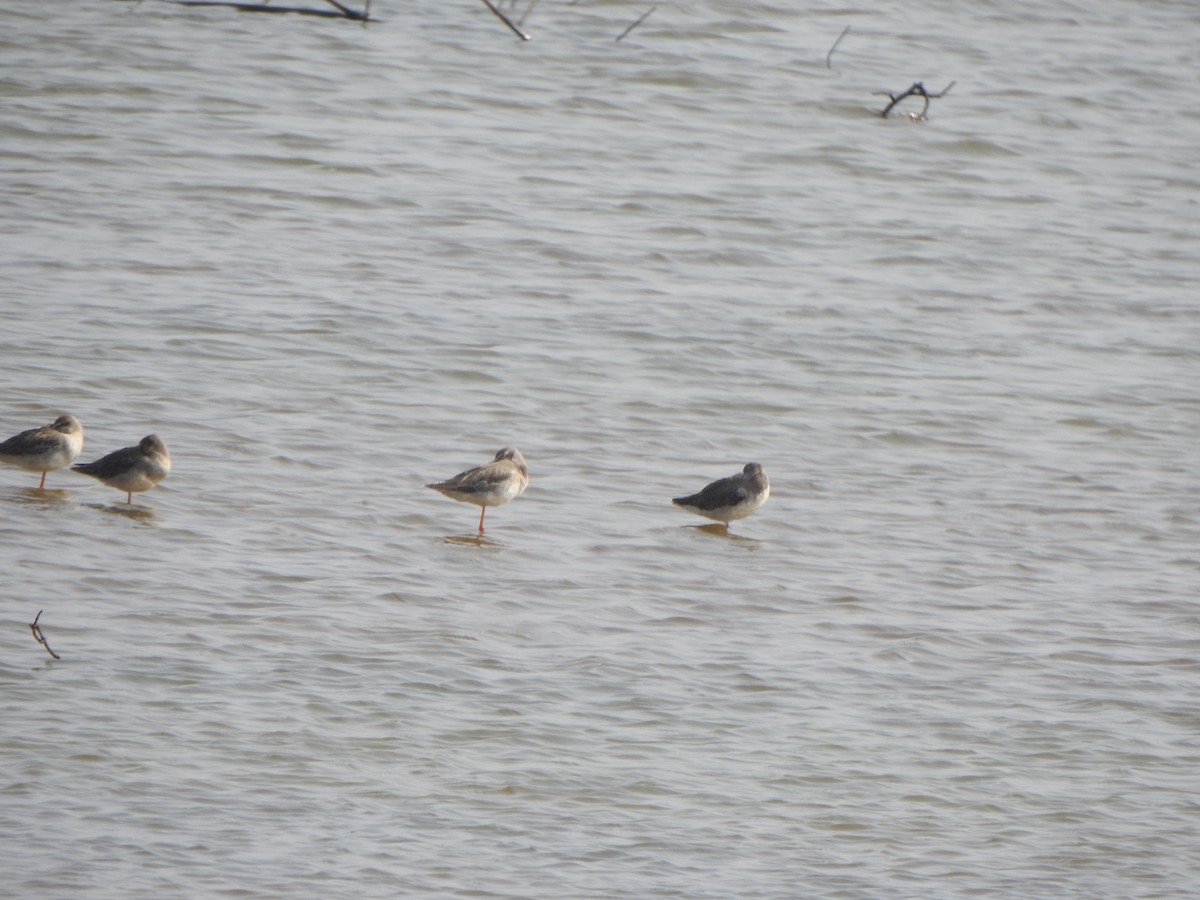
{"points": [[132, 469], [45, 449], [494, 484], [730, 498]]}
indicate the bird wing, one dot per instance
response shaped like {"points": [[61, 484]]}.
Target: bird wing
{"points": [[116, 463], [725, 492], [29, 443], [479, 480]]}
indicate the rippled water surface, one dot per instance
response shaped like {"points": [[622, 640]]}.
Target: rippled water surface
{"points": [[956, 654]]}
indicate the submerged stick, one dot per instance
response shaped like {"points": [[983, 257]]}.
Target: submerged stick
{"points": [[38, 636], [344, 11], [829, 55], [506, 20], [917, 90], [640, 19]]}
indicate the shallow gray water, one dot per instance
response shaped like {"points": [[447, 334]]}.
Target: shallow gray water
{"points": [[955, 655]]}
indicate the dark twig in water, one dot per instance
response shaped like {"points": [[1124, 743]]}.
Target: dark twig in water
{"points": [[640, 19], [829, 55], [344, 12], [38, 636], [917, 90], [506, 20]]}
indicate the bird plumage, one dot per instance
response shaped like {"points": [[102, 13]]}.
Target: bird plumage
{"points": [[492, 484], [46, 449], [132, 469], [732, 498]]}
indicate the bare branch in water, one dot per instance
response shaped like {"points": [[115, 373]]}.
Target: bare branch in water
{"points": [[829, 55], [917, 90], [38, 636], [344, 12], [506, 20], [640, 19]]}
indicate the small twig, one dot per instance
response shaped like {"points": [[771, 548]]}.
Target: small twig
{"points": [[640, 19], [39, 637], [344, 12], [917, 90], [506, 20], [525, 15], [829, 55]]}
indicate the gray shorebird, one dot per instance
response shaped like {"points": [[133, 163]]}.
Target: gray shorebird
{"points": [[730, 498], [46, 449], [493, 484], [132, 469]]}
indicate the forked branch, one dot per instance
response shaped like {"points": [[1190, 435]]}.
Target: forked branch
{"points": [[39, 637], [917, 90]]}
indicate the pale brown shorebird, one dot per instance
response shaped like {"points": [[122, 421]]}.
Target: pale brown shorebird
{"points": [[132, 469], [47, 449], [730, 498], [493, 484]]}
